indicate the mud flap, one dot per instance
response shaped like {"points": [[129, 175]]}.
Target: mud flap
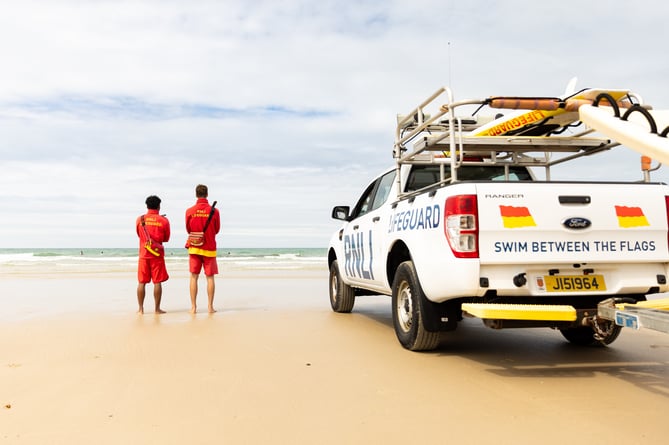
{"points": [[439, 317]]}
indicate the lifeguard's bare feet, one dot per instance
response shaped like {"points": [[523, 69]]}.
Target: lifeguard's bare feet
{"points": [[140, 311], [160, 311], [212, 310], [193, 310]]}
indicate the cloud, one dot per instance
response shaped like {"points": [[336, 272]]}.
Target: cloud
{"points": [[134, 108], [283, 108]]}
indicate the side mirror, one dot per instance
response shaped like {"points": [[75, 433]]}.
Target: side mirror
{"points": [[341, 212]]}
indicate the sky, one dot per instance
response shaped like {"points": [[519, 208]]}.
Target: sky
{"points": [[283, 108]]}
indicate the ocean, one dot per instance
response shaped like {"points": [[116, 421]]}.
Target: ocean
{"points": [[100, 260]]}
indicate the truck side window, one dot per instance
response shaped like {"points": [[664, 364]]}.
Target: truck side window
{"points": [[383, 190], [363, 205], [375, 195]]}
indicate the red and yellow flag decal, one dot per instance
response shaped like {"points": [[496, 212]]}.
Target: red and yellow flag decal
{"points": [[514, 217], [631, 216]]}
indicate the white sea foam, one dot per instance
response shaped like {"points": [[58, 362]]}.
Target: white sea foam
{"points": [[19, 261]]}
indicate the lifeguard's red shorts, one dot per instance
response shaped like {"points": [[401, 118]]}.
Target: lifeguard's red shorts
{"points": [[152, 269], [197, 261]]}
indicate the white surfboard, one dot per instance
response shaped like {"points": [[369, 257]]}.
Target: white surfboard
{"points": [[633, 133]]}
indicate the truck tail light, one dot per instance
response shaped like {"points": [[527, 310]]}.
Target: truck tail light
{"points": [[461, 225]]}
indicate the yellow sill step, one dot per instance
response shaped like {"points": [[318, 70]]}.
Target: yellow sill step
{"points": [[498, 311]]}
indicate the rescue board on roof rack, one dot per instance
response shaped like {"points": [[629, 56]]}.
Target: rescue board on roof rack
{"points": [[541, 116]]}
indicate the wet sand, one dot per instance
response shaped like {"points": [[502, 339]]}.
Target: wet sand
{"points": [[276, 365]]}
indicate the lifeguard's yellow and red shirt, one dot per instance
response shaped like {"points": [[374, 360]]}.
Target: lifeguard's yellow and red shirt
{"points": [[196, 217], [158, 227]]}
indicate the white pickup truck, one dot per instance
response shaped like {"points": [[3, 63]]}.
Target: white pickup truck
{"points": [[462, 226]]}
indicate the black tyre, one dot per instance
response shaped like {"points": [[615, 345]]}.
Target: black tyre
{"points": [[342, 296], [585, 335], [408, 316]]}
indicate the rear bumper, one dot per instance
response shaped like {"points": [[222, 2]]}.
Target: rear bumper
{"points": [[616, 279]]}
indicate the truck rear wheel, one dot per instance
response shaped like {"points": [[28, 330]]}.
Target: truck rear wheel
{"points": [[408, 316], [342, 296]]}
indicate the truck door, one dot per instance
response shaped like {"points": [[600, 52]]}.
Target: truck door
{"points": [[364, 237]]}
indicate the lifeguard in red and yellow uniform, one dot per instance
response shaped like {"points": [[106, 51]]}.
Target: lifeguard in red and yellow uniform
{"points": [[202, 253], [153, 230]]}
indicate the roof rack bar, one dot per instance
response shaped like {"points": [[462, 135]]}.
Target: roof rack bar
{"points": [[431, 133]]}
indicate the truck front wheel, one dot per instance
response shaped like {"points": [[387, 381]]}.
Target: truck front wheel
{"points": [[342, 296], [408, 316]]}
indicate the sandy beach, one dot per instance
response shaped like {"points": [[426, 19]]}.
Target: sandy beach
{"points": [[276, 365]]}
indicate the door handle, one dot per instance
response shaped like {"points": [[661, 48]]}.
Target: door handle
{"points": [[376, 219], [355, 227]]}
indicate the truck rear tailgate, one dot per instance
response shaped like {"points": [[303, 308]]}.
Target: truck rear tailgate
{"points": [[563, 222]]}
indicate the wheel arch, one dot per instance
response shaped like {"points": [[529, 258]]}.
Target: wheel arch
{"points": [[332, 255], [438, 316], [398, 253]]}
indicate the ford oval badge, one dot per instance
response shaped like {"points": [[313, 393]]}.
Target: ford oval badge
{"points": [[576, 223]]}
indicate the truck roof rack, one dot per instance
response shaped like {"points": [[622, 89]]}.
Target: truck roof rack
{"points": [[533, 138]]}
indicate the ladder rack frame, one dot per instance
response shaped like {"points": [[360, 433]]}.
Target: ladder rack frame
{"points": [[444, 139]]}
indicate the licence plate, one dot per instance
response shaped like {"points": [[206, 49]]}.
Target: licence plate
{"points": [[574, 283]]}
